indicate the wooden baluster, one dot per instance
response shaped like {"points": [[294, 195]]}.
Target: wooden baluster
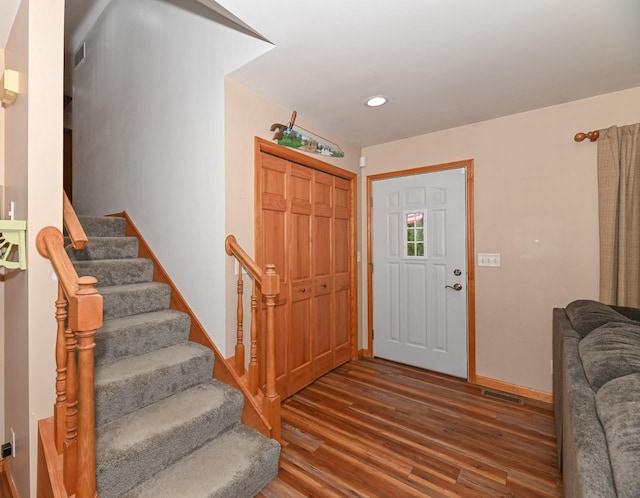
{"points": [[270, 290], [85, 317], [60, 407], [239, 357], [254, 370], [70, 448]]}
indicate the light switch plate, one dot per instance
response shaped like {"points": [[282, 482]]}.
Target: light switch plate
{"points": [[486, 259]]}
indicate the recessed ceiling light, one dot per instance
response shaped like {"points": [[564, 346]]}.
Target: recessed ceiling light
{"points": [[376, 101]]}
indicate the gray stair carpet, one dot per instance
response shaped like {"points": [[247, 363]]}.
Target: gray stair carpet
{"points": [[164, 427]]}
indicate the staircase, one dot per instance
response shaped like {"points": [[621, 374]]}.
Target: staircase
{"points": [[164, 427]]}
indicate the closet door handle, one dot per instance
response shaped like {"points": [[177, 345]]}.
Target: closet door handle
{"points": [[324, 286], [303, 290]]}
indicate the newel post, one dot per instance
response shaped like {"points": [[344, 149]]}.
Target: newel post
{"points": [[85, 317], [270, 291]]}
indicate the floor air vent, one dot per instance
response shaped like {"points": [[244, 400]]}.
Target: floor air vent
{"points": [[502, 397]]}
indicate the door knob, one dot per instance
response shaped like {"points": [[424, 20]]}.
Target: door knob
{"points": [[455, 287]]}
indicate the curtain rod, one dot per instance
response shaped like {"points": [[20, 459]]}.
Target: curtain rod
{"points": [[591, 135]]}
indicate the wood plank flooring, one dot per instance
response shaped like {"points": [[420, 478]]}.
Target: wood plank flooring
{"points": [[374, 428]]}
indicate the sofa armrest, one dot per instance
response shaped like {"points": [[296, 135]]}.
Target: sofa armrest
{"points": [[561, 327]]}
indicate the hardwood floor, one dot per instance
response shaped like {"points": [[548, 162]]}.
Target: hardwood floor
{"points": [[373, 428]]}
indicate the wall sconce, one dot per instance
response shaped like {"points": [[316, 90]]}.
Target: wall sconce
{"points": [[13, 242], [9, 86]]}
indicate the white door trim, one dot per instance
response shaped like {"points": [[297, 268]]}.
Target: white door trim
{"points": [[471, 336]]}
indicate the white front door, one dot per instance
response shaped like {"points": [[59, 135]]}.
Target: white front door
{"points": [[420, 270]]}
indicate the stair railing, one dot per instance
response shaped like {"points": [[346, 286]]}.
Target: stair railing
{"points": [[79, 316], [268, 282]]}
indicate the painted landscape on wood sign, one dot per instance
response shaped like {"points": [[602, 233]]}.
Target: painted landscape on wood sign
{"points": [[301, 141]]}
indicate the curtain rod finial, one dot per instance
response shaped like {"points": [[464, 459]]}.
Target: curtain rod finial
{"points": [[591, 135]]}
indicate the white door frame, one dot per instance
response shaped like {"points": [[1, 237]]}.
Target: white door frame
{"points": [[471, 315]]}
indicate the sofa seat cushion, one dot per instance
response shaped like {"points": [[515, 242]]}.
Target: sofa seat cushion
{"points": [[586, 315], [609, 352], [618, 405]]}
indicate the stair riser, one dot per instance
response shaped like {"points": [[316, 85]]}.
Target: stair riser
{"points": [[96, 226], [129, 302], [128, 394], [238, 464], [117, 272], [105, 248], [116, 476], [113, 343]]}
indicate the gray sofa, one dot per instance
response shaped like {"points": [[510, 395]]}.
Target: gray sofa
{"points": [[596, 395]]}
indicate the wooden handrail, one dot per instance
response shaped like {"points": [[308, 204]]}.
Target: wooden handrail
{"points": [[233, 249], [72, 224], [269, 283], [74, 347]]}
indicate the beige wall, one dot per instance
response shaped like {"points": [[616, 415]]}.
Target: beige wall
{"points": [[2, 372], [536, 204], [247, 115], [16, 359], [33, 175]]}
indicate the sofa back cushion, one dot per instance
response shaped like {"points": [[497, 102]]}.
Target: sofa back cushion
{"points": [[609, 352], [618, 406], [586, 315]]}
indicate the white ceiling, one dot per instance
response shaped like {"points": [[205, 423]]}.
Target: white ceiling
{"points": [[443, 63]]}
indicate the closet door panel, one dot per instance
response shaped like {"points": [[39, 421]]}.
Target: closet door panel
{"points": [[300, 276], [283, 380], [341, 198], [300, 342], [342, 326], [304, 229], [322, 336], [273, 234], [322, 194], [322, 253], [273, 182], [341, 273], [322, 320]]}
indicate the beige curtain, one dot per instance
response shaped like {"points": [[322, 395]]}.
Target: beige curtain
{"points": [[619, 208]]}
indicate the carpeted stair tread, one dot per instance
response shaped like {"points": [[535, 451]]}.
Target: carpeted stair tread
{"points": [[105, 248], [135, 447], [103, 226], [238, 464], [110, 272], [139, 334], [164, 427], [125, 300], [133, 383]]}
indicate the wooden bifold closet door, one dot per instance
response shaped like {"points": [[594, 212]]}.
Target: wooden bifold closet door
{"points": [[303, 226]]}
